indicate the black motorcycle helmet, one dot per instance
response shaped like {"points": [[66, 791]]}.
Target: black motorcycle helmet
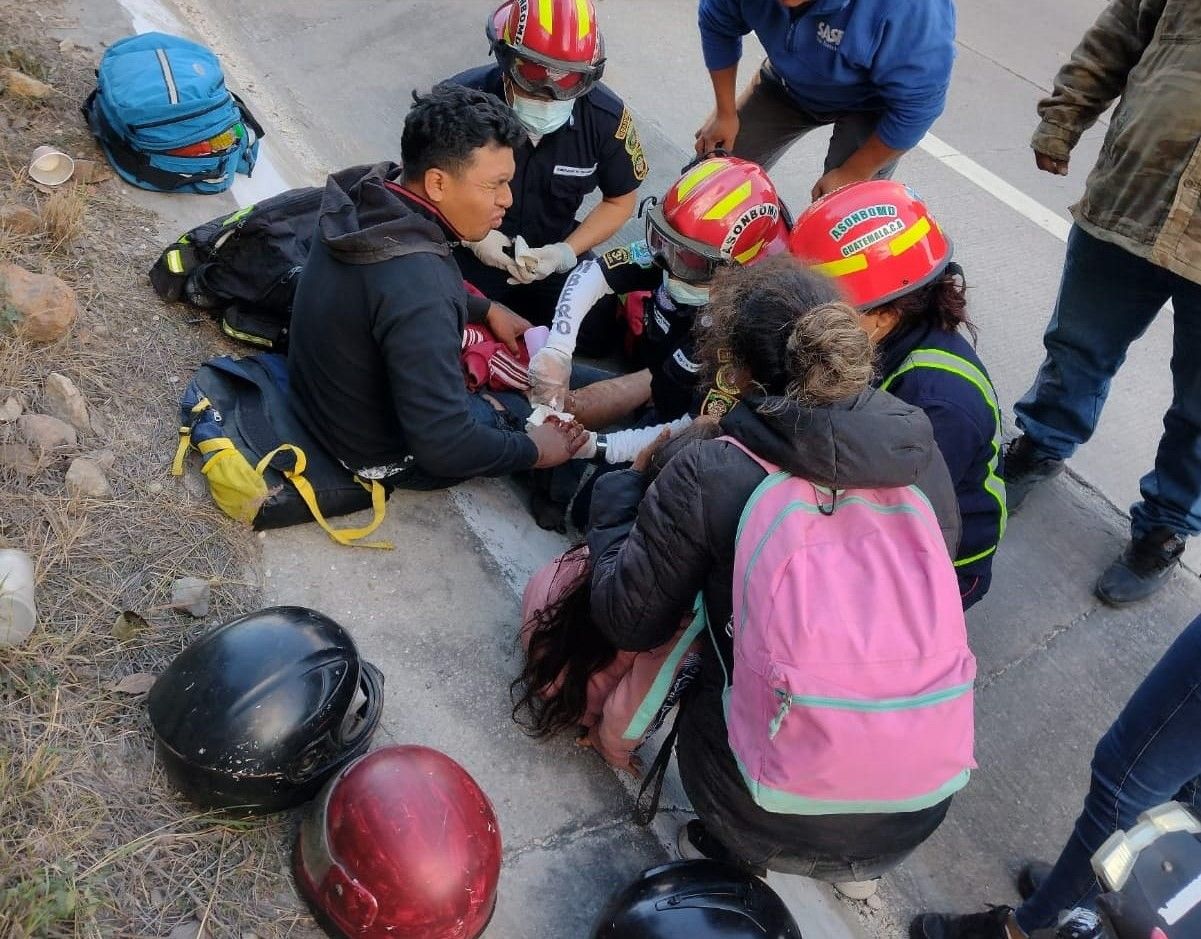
{"points": [[1153, 875], [257, 714], [696, 900]]}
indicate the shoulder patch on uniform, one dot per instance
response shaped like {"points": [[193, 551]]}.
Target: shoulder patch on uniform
{"points": [[640, 254], [629, 133], [685, 363], [615, 257]]}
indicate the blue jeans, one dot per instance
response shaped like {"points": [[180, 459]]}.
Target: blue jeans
{"points": [[1107, 299], [1151, 754]]}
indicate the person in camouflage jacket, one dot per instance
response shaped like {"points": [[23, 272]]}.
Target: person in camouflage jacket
{"points": [[1135, 246]]}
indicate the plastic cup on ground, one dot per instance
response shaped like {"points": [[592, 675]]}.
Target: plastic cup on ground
{"points": [[18, 614], [50, 166]]}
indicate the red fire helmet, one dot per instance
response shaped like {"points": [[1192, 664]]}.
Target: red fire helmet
{"points": [[723, 210], [548, 47], [401, 844], [876, 238]]}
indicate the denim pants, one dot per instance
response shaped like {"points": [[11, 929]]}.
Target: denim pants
{"points": [[1107, 299], [1151, 754]]}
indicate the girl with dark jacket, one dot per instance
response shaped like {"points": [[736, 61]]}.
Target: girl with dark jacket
{"points": [[892, 261], [795, 366]]}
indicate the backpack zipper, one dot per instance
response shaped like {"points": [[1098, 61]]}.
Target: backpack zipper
{"points": [[177, 118], [165, 64]]}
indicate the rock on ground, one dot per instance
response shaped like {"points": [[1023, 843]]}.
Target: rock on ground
{"points": [[20, 219], [64, 401], [43, 432], [21, 85], [39, 307], [19, 458], [86, 480], [10, 410], [191, 594]]}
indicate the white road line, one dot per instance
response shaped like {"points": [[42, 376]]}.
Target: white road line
{"points": [[996, 187]]}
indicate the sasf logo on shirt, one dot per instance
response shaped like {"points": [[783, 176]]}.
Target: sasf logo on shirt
{"points": [[828, 36]]}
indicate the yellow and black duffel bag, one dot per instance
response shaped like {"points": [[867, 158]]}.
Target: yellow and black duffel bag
{"points": [[262, 466]]}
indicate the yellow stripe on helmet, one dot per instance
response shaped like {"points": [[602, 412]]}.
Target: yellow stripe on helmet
{"points": [[546, 15], [911, 236], [843, 266], [696, 176], [728, 204], [584, 18], [750, 253]]}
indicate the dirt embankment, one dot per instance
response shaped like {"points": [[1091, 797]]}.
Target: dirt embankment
{"points": [[92, 840]]}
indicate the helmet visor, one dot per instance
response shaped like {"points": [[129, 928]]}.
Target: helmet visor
{"points": [[538, 75], [682, 258]]}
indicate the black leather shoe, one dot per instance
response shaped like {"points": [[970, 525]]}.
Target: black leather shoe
{"points": [[1031, 877], [990, 925], [1024, 468], [1142, 569]]}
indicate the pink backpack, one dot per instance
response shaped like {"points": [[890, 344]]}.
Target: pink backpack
{"points": [[852, 683]]}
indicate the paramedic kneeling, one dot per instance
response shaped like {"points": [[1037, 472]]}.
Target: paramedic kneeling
{"points": [[380, 308]]}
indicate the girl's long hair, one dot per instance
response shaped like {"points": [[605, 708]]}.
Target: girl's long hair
{"points": [[565, 649]]}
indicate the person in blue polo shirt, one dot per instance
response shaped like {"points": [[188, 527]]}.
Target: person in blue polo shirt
{"points": [[549, 61], [877, 70]]}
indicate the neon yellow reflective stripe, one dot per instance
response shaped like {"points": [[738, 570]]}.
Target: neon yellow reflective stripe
{"points": [[908, 238], [584, 18], [175, 261], [546, 15], [663, 681], [957, 365], [696, 176], [238, 215], [728, 203], [843, 266]]}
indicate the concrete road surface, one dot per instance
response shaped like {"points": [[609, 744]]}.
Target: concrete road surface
{"points": [[332, 81]]}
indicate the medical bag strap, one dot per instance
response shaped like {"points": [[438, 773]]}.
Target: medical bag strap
{"points": [[343, 536]]}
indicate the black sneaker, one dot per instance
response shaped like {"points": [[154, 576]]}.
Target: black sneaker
{"points": [[1142, 569], [990, 925], [1031, 877], [1023, 468], [695, 842]]}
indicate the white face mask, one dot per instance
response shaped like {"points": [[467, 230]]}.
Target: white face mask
{"points": [[542, 117], [683, 293]]}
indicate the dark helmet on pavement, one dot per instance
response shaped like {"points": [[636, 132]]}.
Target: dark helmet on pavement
{"points": [[696, 900], [400, 844], [258, 713], [1152, 874]]}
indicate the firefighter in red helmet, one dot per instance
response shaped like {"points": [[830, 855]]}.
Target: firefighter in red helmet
{"points": [[550, 57], [722, 211], [892, 261]]}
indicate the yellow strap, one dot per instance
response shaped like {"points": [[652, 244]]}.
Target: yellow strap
{"points": [[343, 536], [185, 438]]}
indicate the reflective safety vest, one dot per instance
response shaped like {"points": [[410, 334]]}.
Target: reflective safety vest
{"points": [[971, 373]]}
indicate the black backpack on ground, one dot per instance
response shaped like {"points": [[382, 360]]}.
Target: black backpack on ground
{"points": [[243, 268]]}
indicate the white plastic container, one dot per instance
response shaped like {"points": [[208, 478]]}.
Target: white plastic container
{"points": [[18, 614]]}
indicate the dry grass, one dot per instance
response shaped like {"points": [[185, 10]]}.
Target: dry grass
{"points": [[63, 214], [92, 841]]}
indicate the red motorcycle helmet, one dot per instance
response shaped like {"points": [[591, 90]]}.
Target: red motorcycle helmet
{"points": [[876, 238], [548, 47], [722, 211], [401, 844]]}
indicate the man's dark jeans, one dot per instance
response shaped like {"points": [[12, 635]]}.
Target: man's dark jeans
{"points": [[1151, 754], [1107, 299]]}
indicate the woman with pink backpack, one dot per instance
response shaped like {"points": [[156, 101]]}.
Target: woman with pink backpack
{"points": [[830, 722]]}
